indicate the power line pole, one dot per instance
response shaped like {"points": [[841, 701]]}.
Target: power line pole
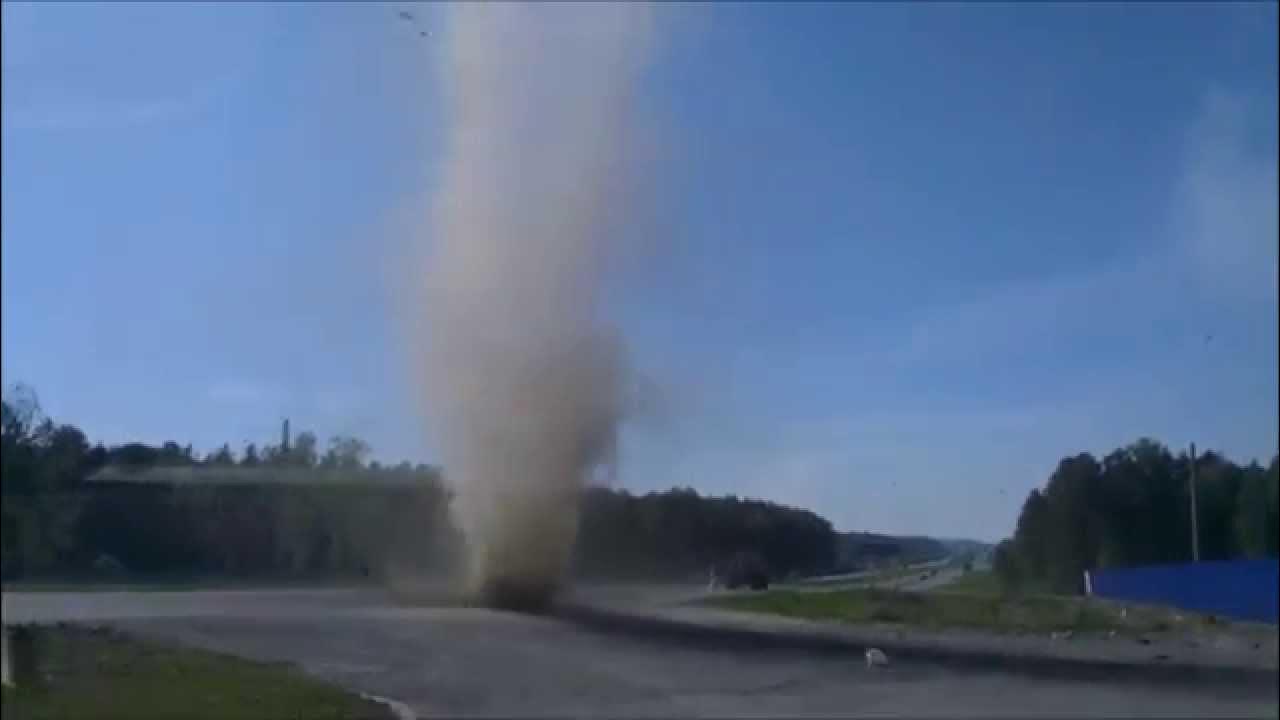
{"points": [[1195, 520]]}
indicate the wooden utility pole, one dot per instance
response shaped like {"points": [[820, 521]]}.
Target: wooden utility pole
{"points": [[1195, 519]]}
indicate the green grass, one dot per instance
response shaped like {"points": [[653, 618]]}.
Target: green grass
{"points": [[966, 609], [68, 671], [974, 583]]}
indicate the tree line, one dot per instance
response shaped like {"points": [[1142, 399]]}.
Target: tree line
{"points": [[73, 509], [1133, 507], [680, 534]]}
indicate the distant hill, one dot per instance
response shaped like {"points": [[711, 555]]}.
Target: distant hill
{"points": [[966, 548], [857, 550]]}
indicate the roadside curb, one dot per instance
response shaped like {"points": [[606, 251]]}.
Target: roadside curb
{"points": [[6, 670], [746, 632]]}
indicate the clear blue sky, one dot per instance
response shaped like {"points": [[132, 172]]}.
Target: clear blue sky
{"points": [[916, 253]]}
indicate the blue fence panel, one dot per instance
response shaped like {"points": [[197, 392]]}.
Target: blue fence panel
{"points": [[1241, 589]]}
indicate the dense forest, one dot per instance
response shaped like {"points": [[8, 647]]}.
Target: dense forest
{"points": [[72, 509], [856, 550], [1133, 507], [288, 510]]}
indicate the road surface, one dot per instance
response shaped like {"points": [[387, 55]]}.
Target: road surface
{"points": [[455, 661], [942, 573], [925, 581]]}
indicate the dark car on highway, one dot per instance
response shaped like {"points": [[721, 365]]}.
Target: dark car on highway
{"points": [[746, 569]]}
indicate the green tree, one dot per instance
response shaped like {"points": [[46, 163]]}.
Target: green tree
{"points": [[250, 457], [65, 458], [1008, 566], [1134, 509], [223, 456], [1256, 524], [346, 453], [1029, 557], [20, 419], [134, 455], [304, 452], [171, 453]]}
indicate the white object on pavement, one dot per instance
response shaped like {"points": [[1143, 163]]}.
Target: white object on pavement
{"points": [[876, 657]]}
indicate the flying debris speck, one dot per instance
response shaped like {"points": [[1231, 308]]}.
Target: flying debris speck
{"points": [[408, 17]]}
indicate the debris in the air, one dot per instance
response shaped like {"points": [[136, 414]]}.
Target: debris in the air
{"points": [[876, 658], [408, 17]]}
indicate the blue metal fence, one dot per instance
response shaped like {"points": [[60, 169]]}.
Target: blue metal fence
{"points": [[1241, 589]]}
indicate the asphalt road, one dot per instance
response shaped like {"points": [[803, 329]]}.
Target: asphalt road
{"points": [[923, 581], [911, 581], [467, 661]]}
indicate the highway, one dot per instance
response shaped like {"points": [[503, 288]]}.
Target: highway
{"points": [[917, 578], [926, 581], [455, 661]]}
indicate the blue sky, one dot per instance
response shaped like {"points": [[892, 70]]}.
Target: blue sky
{"points": [[909, 255]]}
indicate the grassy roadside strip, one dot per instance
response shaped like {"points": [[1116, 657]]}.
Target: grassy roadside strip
{"points": [[880, 577], [979, 582], [976, 608], [71, 671]]}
